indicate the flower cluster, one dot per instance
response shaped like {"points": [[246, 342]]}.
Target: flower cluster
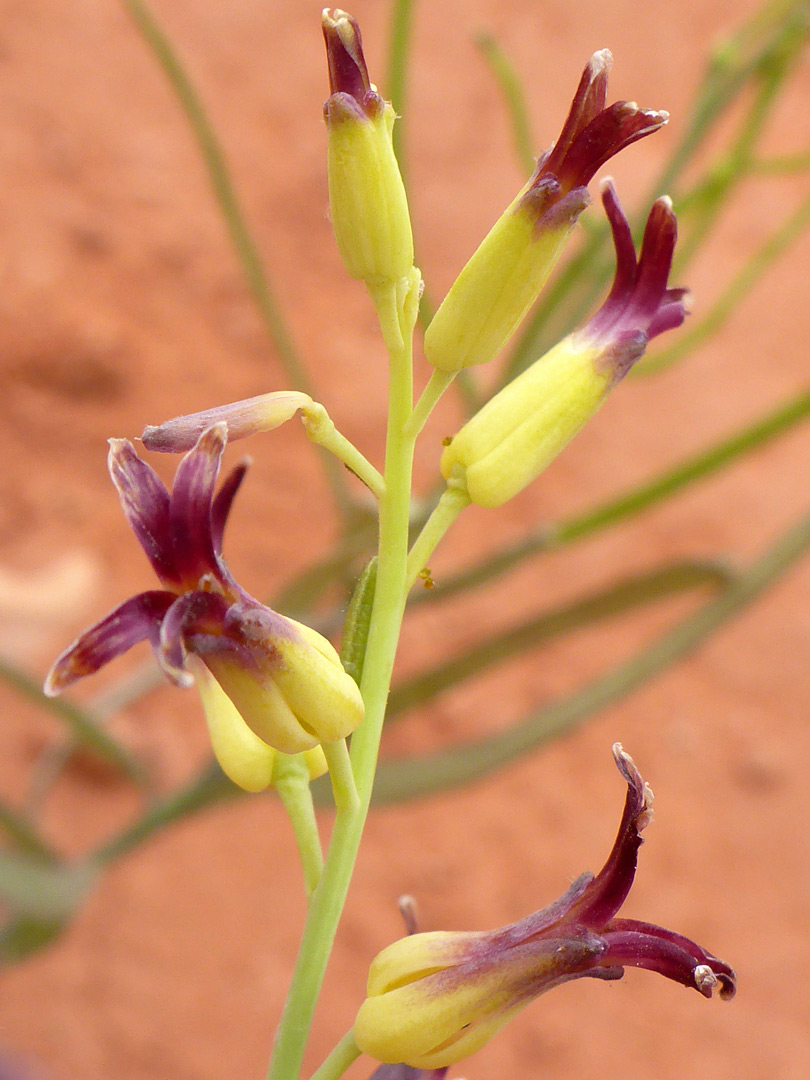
{"points": [[272, 687]]}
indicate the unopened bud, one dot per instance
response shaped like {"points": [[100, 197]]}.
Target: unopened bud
{"points": [[367, 198]]}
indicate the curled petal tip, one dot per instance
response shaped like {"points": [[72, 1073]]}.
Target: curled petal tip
{"points": [[627, 767], [707, 981]]}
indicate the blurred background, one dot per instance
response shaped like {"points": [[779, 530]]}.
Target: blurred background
{"points": [[122, 303]]}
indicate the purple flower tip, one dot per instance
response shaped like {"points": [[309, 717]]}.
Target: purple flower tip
{"points": [[593, 131], [349, 83], [640, 305]]}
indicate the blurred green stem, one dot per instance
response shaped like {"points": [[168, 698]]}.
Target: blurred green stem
{"points": [[228, 202], [406, 779], [617, 599], [23, 835], [624, 506], [514, 96], [82, 725]]}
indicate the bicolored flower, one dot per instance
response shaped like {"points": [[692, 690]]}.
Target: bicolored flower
{"points": [[436, 998], [244, 418], [526, 424], [367, 200], [283, 680], [494, 291]]}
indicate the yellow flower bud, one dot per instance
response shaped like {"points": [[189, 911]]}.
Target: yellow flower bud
{"points": [[241, 754], [288, 684], [523, 428], [369, 208], [424, 1008]]}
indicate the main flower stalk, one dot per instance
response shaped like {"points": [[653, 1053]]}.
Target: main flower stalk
{"points": [[397, 318]]}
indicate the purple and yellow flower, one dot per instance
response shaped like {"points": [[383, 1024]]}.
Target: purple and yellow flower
{"points": [[436, 998], [526, 424], [368, 205], [278, 678], [496, 288]]}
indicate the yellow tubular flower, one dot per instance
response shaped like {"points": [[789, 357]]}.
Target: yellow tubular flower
{"points": [[242, 756], [367, 198], [522, 429], [434, 999], [493, 293], [284, 680]]}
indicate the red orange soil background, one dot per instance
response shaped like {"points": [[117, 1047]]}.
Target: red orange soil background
{"points": [[121, 304]]}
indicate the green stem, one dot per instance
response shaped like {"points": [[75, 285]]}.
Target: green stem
{"points": [[617, 599], [397, 311], [228, 202], [23, 834], [437, 384], [396, 82], [207, 789], [453, 500], [783, 165], [406, 779], [342, 777], [291, 781], [320, 428], [339, 1060]]}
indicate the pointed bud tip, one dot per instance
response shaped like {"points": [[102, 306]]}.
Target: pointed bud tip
{"points": [[600, 62], [51, 687]]}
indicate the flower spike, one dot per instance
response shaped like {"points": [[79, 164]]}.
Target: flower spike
{"points": [[524, 426], [267, 682], [436, 998], [504, 277]]}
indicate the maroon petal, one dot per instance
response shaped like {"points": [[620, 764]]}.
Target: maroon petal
{"points": [[194, 615], [349, 82], [190, 509], [589, 101], [348, 73], [615, 128], [624, 280], [407, 1072], [137, 619], [644, 945], [221, 506], [146, 504], [655, 263], [608, 890], [671, 312]]}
